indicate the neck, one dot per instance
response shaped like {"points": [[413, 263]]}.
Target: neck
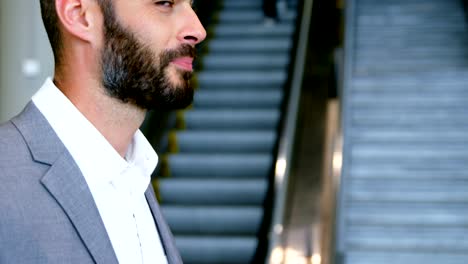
{"points": [[115, 120]]}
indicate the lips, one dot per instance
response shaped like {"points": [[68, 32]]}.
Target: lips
{"points": [[185, 63]]}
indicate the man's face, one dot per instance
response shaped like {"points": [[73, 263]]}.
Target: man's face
{"points": [[147, 60]]}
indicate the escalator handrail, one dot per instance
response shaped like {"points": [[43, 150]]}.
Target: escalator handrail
{"points": [[288, 131], [346, 75], [333, 159]]}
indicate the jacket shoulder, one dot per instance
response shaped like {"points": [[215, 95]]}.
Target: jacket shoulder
{"points": [[10, 139], [14, 151]]}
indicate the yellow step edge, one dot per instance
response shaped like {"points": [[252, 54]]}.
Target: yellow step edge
{"points": [[173, 144], [194, 82], [180, 120], [164, 170], [156, 188]]}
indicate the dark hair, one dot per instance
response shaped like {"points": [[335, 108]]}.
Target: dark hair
{"points": [[50, 20]]}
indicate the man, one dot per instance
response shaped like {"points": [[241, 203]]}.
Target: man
{"points": [[270, 12], [271, 8], [74, 168]]}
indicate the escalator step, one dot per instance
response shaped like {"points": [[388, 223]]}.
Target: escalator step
{"points": [[191, 220], [283, 30], [408, 20], [212, 191], [451, 36], [221, 142], [415, 152], [443, 117], [446, 100], [240, 17], [432, 78], [415, 135], [442, 197], [260, 62], [242, 5], [253, 166], [402, 66], [364, 55], [249, 47], [402, 31], [408, 218], [241, 90], [432, 40], [408, 239], [359, 257], [241, 78], [410, 7], [252, 4], [227, 119], [401, 49], [251, 99], [216, 250], [394, 171]]}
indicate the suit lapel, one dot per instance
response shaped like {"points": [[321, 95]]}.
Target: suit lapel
{"points": [[165, 234], [65, 183]]}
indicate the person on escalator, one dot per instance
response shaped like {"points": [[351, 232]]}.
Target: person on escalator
{"points": [[270, 12], [273, 10], [74, 167]]}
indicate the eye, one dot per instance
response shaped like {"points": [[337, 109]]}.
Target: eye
{"points": [[165, 4]]}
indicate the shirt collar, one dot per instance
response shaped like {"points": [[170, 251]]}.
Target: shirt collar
{"points": [[99, 162]]}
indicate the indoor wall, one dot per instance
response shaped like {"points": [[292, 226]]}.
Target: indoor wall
{"points": [[25, 56]]}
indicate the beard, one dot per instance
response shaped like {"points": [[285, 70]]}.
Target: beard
{"points": [[133, 73]]}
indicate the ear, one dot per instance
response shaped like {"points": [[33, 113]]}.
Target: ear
{"points": [[78, 18]]}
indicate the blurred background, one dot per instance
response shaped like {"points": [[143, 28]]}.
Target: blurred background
{"points": [[25, 55], [322, 131]]}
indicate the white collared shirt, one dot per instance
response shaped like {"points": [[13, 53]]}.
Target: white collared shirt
{"points": [[117, 184]]}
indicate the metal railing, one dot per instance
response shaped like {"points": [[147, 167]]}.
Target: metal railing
{"points": [[346, 75], [333, 159], [286, 142]]}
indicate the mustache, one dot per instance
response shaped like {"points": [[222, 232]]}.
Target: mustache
{"points": [[185, 50]]}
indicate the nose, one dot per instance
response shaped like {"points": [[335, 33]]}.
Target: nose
{"points": [[193, 31]]}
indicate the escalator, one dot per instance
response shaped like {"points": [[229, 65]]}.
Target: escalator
{"points": [[403, 195], [214, 179]]}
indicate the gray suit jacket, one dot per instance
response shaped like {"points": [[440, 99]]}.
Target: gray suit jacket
{"points": [[47, 212]]}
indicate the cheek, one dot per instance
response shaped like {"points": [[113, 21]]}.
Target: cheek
{"points": [[157, 39], [158, 31]]}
